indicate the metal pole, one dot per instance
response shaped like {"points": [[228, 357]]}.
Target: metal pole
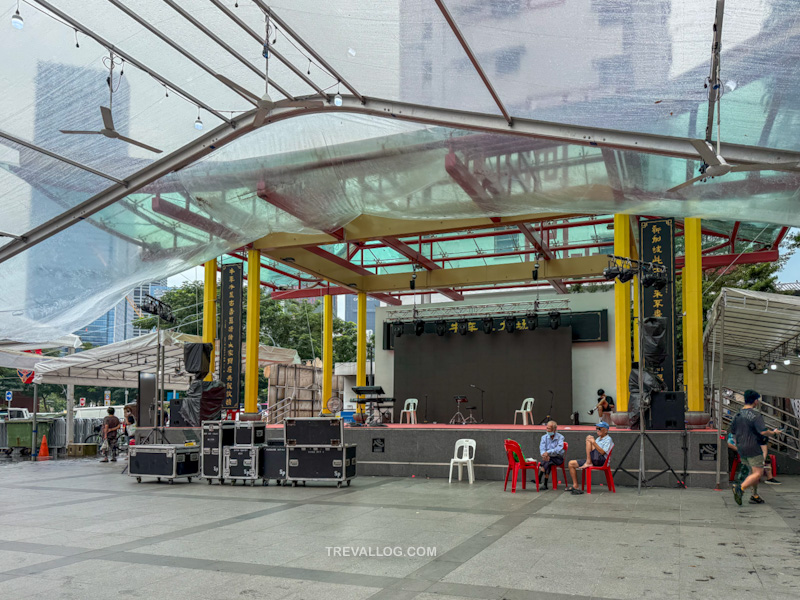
{"points": [[70, 408], [721, 388], [34, 449], [641, 382], [157, 412], [163, 373]]}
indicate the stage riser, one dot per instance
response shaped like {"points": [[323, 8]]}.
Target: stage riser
{"points": [[427, 453]]}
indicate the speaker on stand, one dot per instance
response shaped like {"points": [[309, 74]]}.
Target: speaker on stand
{"points": [[668, 411]]}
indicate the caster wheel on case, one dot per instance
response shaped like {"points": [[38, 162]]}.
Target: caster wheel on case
{"points": [[221, 481], [209, 481], [190, 480], [348, 483], [338, 484], [294, 484], [138, 480], [171, 481], [158, 479]]}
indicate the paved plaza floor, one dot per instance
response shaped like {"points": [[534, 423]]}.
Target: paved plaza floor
{"points": [[79, 530]]}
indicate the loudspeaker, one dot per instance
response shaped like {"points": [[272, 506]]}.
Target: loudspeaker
{"points": [[197, 358], [668, 410], [147, 400], [654, 334], [175, 417]]}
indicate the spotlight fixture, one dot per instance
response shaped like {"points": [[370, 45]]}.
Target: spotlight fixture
{"points": [[462, 327], [397, 329], [626, 275], [488, 325], [773, 366], [797, 352], [555, 320], [17, 22], [337, 100], [611, 273], [533, 321], [419, 327], [787, 361], [511, 324], [654, 280], [441, 328], [412, 285], [751, 366]]}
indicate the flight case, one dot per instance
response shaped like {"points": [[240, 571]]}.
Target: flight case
{"points": [[164, 461], [216, 436], [321, 463], [313, 431], [272, 464], [241, 463], [250, 433]]}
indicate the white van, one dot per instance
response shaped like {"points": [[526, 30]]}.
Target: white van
{"points": [[98, 412]]}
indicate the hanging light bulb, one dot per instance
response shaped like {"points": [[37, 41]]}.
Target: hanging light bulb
{"points": [[773, 366], [337, 100], [765, 371], [198, 124], [787, 361], [17, 22]]}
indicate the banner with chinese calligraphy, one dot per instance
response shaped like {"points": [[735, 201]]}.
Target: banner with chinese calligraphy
{"points": [[657, 245], [230, 326]]}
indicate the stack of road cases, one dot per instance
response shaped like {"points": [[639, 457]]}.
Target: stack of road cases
{"points": [[315, 451], [217, 435], [164, 461]]}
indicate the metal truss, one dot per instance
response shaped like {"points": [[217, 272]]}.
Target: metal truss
{"points": [[476, 311]]}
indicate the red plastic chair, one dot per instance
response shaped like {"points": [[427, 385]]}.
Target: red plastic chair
{"points": [[554, 469], [518, 464], [737, 461], [606, 468]]}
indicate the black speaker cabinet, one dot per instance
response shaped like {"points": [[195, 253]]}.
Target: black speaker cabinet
{"points": [[147, 400], [175, 418], [668, 410], [197, 358]]}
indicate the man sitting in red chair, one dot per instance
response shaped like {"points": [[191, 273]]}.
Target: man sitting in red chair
{"points": [[551, 447], [596, 451]]}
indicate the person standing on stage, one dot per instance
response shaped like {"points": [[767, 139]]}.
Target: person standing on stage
{"points": [[605, 404], [749, 432], [596, 453], [551, 447]]}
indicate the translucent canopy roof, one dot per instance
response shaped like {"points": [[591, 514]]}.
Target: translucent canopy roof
{"points": [[603, 100]]}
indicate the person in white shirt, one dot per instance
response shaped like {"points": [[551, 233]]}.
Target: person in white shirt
{"points": [[597, 450]]}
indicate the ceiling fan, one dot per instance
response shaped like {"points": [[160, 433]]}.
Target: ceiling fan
{"points": [[715, 165], [108, 129], [265, 103]]}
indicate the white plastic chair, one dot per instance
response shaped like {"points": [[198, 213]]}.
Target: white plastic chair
{"points": [[409, 411], [526, 411], [464, 455]]}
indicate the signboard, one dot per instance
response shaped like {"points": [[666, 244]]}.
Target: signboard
{"points": [[230, 343], [107, 398], [82, 402], [657, 245], [708, 452], [9, 396], [378, 445]]}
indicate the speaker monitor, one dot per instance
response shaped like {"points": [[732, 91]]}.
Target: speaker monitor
{"points": [[175, 417], [197, 358], [667, 410]]}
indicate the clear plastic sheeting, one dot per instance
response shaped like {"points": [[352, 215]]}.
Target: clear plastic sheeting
{"points": [[633, 66]]}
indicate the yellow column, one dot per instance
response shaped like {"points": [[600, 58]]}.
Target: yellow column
{"points": [[361, 344], [693, 321], [327, 351], [622, 314], [253, 331], [210, 310]]}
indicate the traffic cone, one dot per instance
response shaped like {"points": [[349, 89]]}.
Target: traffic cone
{"points": [[44, 452]]}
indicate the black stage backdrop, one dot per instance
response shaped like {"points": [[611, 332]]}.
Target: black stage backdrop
{"points": [[510, 367]]}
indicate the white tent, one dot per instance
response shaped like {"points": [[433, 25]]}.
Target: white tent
{"points": [[119, 365]]}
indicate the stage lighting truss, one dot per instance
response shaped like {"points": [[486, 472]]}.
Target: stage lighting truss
{"points": [[157, 308], [624, 269], [476, 312]]}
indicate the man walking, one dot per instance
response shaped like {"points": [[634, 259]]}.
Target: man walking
{"points": [[111, 425], [551, 447], [749, 431]]}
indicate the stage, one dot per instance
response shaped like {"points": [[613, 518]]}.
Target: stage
{"points": [[425, 450]]}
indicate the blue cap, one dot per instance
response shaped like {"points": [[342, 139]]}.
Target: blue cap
{"points": [[602, 424]]}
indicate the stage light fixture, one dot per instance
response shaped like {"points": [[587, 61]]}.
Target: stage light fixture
{"points": [[419, 327], [488, 325], [397, 329], [441, 328], [511, 324], [533, 321], [555, 320], [412, 284], [773, 366], [462, 327], [611, 273], [626, 275], [787, 361]]}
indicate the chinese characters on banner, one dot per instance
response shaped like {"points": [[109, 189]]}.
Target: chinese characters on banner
{"points": [[230, 342], [657, 240]]}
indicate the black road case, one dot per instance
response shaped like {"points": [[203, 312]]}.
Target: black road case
{"points": [[250, 433], [313, 431], [164, 461], [241, 463], [216, 436], [321, 463], [272, 464]]}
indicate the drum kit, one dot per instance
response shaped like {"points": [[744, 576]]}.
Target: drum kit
{"points": [[459, 418]]}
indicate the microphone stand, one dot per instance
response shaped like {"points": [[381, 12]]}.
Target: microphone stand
{"points": [[550, 412], [483, 418]]}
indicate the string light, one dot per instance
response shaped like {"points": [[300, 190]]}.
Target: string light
{"points": [[17, 22]]}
